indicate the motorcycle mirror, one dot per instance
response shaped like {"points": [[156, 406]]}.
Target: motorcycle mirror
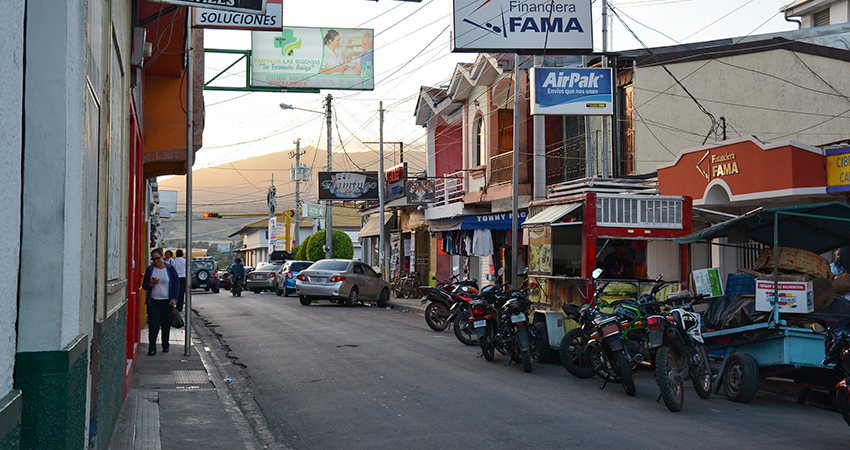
{"points": [[501, 271], [455, 270], [597, 273], [434, 277]]}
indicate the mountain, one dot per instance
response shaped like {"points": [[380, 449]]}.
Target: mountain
{"points": [[241, 187]]}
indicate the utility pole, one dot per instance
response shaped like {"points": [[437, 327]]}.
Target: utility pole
{"points": [[381, 193], [190, 153], [605, 119], [400, 149], [515, 177], [329, 243], [299, 174], [271, 201]]}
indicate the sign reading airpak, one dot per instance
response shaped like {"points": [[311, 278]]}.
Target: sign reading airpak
{"points": [[571, 91], [527, 26]]}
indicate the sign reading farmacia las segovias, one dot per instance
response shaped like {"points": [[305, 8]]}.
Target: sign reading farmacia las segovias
{"points": [[526, 26]]}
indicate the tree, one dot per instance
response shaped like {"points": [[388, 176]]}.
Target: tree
{"points": [[315, 243]]}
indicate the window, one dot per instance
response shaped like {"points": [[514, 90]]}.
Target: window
{"points": [[370, 271], [328, 264], [821, 18], [298, 267], [479, 140], [358, 269]]}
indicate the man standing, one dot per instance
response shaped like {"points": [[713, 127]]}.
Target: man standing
{"points": [[179, 264], [161, 283]]}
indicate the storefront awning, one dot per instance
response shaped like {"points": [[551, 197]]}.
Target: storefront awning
{"points": [[494, 221], [445, 225], [372, 228], [551, 214]]}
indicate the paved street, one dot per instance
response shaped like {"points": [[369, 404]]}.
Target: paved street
{"points": [[329, 377]]}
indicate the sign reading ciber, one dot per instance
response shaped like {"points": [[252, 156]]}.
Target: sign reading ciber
{"points": [[248, 6], [526, 26], [571, 91]]}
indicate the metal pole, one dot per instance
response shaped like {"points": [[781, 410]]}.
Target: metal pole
{"points": [[605, 119], [381, 186], [329, 243], [588, 142], [515, 179], [190, 150], [298, 192], [539, 191]]}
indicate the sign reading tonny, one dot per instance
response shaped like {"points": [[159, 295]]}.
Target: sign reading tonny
{"points": [[527, 26], [572, 91], [248, 6], [270, 21]]}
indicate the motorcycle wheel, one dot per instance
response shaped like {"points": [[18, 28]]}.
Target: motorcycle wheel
{"points": [[464, 330], [486, 347], [599, 362], [668, 379], [702, 377], [573, 352], [625, 372], [437, 316], [526, 361], [842, 401]]}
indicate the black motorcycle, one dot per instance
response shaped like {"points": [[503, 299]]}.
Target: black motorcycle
{"points": [[440, 300], [237, 286], [503, 325], [681, 353], [836, 347]]}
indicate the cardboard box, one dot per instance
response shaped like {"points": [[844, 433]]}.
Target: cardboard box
{"points": [[707, 281], [795, 297]]}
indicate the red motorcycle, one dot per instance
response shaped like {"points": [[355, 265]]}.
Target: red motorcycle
{"points": [[836, 346], [442, 297]]}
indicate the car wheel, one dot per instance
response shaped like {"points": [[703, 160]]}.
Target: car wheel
{"points": [[278, 292], [305, 301], [353, 297], [216, 290], [384, 298], [288, 292], [256, 291]]}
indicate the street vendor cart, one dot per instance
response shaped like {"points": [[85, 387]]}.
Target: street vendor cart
{"points": [[777, 347]]}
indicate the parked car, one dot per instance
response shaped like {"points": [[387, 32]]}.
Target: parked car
{"points": [[224, 280], [263, 278], [205, 274], [286, 281], [344, 281]]}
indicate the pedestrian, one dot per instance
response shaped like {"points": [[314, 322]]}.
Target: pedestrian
{"points": [[168, 256], [179, 264], [842, 260], [161, 283]]}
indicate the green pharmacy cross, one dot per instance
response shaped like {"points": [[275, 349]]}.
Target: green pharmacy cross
{"points": [[287, 42]]}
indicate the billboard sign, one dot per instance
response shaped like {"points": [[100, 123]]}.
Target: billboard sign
{"points": [[313, 58], [395, 179], [524, 26], [233, 20], [571, 91], [837, 170], [248, 6], [350, 186], [420, 191]]}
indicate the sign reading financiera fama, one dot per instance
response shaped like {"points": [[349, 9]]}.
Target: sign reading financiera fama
{"points": [[527, 26], [248, 6]]}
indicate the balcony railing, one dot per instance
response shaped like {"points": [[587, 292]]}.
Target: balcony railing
{"points": [[639, 211], [501, 168], [449, 189]]}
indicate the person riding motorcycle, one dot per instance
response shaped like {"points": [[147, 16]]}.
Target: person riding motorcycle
{"points": [[237, 270]]}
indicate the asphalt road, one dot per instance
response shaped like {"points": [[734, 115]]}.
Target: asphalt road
{"points": [[331, 377]]}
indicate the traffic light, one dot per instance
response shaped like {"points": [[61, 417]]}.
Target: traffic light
{"points": [[211, 215]]}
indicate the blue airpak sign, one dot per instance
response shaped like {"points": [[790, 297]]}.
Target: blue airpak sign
{"points": [[568, 91]]}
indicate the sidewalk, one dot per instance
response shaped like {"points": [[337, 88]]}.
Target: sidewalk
{"points": [[178, 401]]}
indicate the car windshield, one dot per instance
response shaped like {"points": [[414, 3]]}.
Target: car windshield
{"points": [[330, 265], [198, 265], [298, 267], [269, 268]]}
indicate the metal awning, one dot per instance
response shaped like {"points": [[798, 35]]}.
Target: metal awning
{"points": [[817, 228], [551, 214], [372, 228]]}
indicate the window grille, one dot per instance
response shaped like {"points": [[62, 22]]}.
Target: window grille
{"points": [[639, 211], [821, 18]]}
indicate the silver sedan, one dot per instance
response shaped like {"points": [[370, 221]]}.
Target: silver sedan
{"points": [[342, 281]]}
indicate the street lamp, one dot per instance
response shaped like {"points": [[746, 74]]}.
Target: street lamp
{"points": [[329, 251]]}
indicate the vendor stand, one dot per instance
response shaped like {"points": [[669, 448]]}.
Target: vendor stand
{"points": [[775, 347]]}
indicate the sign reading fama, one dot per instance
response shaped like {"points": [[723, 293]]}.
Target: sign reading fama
{"points": [[248, 6], [529, 26]]}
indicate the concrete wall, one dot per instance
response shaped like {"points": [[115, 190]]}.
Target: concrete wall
{"points": [[11, 97], [771, 95]]}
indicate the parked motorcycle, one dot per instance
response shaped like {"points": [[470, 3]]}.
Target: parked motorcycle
{"points": [[573, 349], [504, 325], [438, 314], [681, 350], [836, 347]]}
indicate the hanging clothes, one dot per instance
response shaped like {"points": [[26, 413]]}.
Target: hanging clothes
{"points": [[482, 243]]}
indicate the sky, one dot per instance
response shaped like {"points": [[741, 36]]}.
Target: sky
{"points": [[412, 50]]}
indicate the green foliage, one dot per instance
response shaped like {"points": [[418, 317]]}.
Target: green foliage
{"points": [[314, 246]]}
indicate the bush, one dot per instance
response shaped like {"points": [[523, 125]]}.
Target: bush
{"points": [[315, 243]]}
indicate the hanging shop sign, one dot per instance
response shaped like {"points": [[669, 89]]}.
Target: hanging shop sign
{"points": [[348, 186], [313, 58], [838, 170], [522, 26], [572, 91], [421, 191], [313, 211], [495, 221], [395, 179], [230, 20], [248, 6]]}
